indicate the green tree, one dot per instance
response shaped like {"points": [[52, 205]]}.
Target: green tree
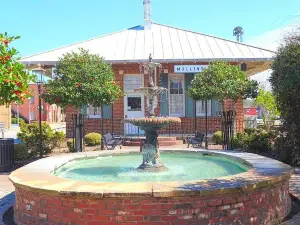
{"points": [[266, 101], [285, 81], [222, 81], [82, 79], [14, 81]]}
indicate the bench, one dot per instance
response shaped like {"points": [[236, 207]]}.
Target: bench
{"points": [[196, 141], [111, 141]]}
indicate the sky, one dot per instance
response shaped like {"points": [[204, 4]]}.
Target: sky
{"points": [[48, 24]]}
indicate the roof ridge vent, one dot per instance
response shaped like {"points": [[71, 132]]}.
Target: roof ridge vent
{"points": [[147, 14]]}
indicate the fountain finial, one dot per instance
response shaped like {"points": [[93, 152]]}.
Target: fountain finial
{"points": [[150, 57]]}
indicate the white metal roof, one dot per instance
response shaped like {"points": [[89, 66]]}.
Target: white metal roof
{"points": [[165, 43]]}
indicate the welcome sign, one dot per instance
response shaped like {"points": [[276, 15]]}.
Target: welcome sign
{"points": [[189, 68]]}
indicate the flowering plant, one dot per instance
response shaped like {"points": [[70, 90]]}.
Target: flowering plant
{"points": [[14, 80]]}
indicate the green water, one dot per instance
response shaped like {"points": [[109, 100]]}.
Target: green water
{"points": [[122, 168]]}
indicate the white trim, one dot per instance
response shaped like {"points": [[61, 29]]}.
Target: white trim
{"points": [[206, 60], [133, 93], [183, 93]]}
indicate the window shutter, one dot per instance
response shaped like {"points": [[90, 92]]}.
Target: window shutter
{"points": [[215, 107], [84, 110], [189, 102], [107, 109], [164, 104]]}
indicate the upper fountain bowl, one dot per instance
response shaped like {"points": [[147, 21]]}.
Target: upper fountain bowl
{"points": [[155, 122]]}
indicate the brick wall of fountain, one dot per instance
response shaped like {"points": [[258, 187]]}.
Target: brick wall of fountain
{"points": [[260, 206]]}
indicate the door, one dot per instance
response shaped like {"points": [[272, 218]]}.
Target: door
{"points": [[134, 108]]}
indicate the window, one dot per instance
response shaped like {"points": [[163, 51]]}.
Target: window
{"points": [[200, 108], [176, 95], [31, 117], [134, 104], [31, 100], [132, 82], [94, 112]]}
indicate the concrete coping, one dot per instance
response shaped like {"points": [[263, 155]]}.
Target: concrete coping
{"points": [[38, 176]]}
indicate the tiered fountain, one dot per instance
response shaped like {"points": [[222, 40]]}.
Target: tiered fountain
{"points": [[152, 124]]}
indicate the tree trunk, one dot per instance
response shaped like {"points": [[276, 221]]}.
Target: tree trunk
{"points": [[78, 134], [234, 117]]}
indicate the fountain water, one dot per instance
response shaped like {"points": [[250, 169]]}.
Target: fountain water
{"points": [[152, 124]]}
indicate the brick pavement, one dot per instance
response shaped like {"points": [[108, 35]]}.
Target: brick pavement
{"points": [[294, 190], [7, 197]]}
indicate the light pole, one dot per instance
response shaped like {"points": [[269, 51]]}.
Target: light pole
{"points": [[39, 71]]}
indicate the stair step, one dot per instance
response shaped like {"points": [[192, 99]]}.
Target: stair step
{"points": [[164, 142]]}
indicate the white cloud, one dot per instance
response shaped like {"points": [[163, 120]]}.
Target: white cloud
{"points": [[270, 40], [273, 38]]}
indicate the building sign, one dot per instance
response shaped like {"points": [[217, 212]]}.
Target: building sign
{"points": [[189, 68]]}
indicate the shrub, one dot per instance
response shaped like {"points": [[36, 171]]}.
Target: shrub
{"points": [[15, 120], [260, 142], [70, 145], [21, 152], [92, 139], [240, 141], [58, 139], [250, 131], [30, 136], [285, 81], [218, 138]]}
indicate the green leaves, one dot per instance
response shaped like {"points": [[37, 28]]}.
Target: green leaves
{"points": [[81, 79], [221, 81], [285, 81], [266, 100], [14, 81]]}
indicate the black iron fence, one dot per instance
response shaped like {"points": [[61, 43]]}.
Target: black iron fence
{"points": [[188, 126]]}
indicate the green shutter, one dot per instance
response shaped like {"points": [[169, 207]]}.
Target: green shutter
{"points": [[189, 102], [107, 109], [84, 110], [164, 103], [215, 107]]}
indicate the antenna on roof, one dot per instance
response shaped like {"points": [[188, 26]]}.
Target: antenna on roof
{"points": [[147, 14], [238, 32]]}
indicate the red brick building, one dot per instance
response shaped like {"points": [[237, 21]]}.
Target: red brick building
{"points": [[182, 54], [29, 110]]}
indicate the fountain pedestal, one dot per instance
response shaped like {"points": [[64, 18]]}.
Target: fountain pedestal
{"points": [[151, 156]]}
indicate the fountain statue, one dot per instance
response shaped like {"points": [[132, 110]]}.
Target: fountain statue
{"points": [[152, 124]]}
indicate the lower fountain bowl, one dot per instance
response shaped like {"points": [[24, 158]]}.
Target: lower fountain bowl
{"points": [[258, 196], [155, 122]]}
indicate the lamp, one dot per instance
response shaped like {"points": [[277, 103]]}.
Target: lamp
{"points": [[39, 72]]}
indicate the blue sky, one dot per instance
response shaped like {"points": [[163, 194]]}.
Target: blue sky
{"points": [[45, 25]]}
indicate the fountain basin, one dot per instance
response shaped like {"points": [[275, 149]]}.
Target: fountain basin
{"points": [[257, 196]]}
